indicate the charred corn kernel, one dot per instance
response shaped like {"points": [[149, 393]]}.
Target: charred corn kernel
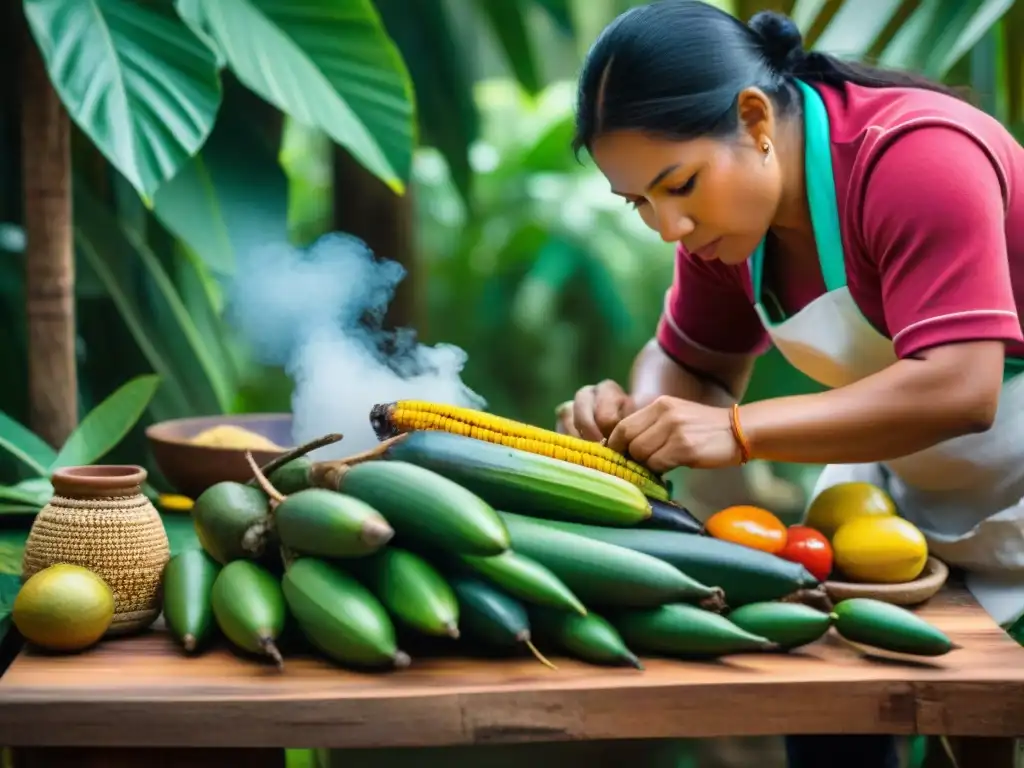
{"points": [[390, 419]]}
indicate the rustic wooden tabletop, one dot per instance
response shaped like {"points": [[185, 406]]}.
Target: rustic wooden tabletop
{"points": [[141, 692]]}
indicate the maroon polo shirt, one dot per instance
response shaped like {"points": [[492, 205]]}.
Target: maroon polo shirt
{"points": [[930, 193]]}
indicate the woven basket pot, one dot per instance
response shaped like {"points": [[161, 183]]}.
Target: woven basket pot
{"points": [[99, 518]]}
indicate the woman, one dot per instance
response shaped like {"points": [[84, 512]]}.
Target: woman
{"points": [[867, 223]]}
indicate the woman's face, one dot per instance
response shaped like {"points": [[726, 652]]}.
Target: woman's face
{"points": [[717, 197]]}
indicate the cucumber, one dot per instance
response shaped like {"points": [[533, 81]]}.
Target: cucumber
{"points": [[889, 627], [669, 516], [231, 521], [746, 575], [525, 579], [492, 617], [249, 608], [511, 478], [685, 630], [591, 638], [788, 624], [187, 597], [411, 589], [600, 573], [423, 507], [293, 477], [324, 523], [340, 616]]}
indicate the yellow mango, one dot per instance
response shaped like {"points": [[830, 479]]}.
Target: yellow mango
{"points": [[880, 550], [840, 503]]}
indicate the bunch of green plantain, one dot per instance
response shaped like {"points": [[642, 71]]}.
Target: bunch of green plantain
{"points": [[358, 556]]}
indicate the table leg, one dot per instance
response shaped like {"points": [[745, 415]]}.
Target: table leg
{"points": [[972, 752], [104, 757], [985, 752]]}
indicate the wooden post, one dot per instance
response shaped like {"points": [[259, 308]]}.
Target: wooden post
{"points": [[49, 254]]}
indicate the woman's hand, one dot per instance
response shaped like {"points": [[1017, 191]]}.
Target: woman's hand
{"points": [[595, 411], [672, 433]]}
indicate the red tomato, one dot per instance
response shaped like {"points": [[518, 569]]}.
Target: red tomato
{"points": [[810, 548], [748, 526]]}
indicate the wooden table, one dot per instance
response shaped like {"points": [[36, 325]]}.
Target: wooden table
{"points": [[140, 692]]}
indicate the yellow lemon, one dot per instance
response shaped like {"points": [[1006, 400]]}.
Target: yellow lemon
{"points": [[881, 550], [63, 608], [843, 502]]}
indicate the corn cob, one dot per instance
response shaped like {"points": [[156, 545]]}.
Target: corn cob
{"points": [[391, 419]]}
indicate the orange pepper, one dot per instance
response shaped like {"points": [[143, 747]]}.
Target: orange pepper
{"points": [[749, 526]]}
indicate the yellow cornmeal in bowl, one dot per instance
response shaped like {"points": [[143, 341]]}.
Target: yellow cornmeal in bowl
{"points": [[231, 436]]}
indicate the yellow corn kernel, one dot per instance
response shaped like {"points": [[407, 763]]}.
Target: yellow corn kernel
{"points": [[390, 419]]}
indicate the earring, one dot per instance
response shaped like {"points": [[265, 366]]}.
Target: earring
{"points": [[766, 147]]}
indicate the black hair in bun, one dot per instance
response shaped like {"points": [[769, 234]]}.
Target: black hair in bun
{"points": [[674, 68], [782, 41]]}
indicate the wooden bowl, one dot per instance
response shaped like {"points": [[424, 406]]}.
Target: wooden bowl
{"points": [[191, 469], [913, 592]]}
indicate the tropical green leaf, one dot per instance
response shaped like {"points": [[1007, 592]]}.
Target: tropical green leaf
{"points": [[17, 509], [181, 532], [135, 79], [915, 40], [508, 22], [852, 33], [106, 425], [974, 21], [550, 152], [307, 158], [25, 445], [189, 206], [193, 377], [34, 492], [439, 65], [229, 199], [10, 585], [325, 63], [560, 12], [12, 547]]}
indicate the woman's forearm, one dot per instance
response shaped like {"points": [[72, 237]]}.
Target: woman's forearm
{"points": [[905, 408], [655, 374]]}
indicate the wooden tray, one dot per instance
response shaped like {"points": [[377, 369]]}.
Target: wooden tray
{"points": [[925, 586]]}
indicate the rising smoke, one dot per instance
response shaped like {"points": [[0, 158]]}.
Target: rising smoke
{"points": [[318, 313]]}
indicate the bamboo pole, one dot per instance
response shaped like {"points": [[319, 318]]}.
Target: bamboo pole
{"points": [[49, 255]]}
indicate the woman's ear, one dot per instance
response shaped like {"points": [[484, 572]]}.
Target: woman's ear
{"points": [[756, 116]]}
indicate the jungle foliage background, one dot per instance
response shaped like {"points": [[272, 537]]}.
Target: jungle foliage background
{"points": [[435, 130]]}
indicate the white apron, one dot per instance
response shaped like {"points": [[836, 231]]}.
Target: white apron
{"points": [[966, 495]]}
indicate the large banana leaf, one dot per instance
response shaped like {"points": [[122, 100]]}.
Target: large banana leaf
{"points": [[133, 77], [326, 64]]}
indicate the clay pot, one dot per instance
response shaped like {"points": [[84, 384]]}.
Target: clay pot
{"points": [[99, 518]]}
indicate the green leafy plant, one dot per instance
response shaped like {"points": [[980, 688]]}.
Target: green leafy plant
{"points": [[142, 80], [10, 584], [98, 433]]}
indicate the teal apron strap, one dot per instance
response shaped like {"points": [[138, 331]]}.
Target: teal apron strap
{"points": [[821, 198]]}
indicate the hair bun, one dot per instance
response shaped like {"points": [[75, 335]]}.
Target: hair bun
{"points": [[782, 41]]}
